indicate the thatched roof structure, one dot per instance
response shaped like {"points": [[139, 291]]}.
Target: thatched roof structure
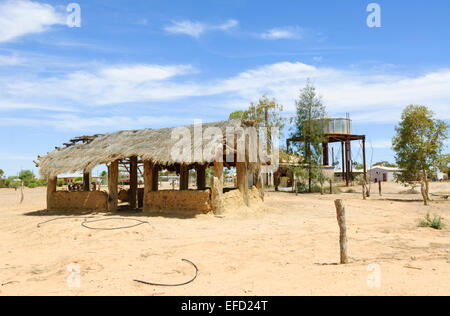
{"points": [[149, 144]]}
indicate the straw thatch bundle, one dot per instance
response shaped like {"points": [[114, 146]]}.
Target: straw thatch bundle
{"points": [[149, 144]]}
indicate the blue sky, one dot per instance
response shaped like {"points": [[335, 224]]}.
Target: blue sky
{"points": [[150, 64]]}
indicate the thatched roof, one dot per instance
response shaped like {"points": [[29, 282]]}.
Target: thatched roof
{"points": [[149, 144]]}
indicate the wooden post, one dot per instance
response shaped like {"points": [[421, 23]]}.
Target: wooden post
{"points": [[340, 211], [260, 184], [87, 181], [155, 178], [364, 159], [379, 188], [326, 160], [364, 190], [113, 180], [242, 181], [343, 161], [331, 186], [51, 188], [347, 163], [332, 156], [184, 178], [261, 181], [133, 182], [148, 176], [217, 189], [201, 177]]}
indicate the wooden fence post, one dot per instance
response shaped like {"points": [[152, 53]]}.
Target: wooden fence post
{"points": [[340, 211], [379, 188]]}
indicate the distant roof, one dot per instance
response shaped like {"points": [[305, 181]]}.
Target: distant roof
{"points": [[386, 168], [73, 175], [354, 170]]}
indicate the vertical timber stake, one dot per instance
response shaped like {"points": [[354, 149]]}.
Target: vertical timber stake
{"points": [[217, 189], [340, 210], [133, 182], [113, 179]]}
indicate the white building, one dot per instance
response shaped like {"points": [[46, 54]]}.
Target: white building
{"points": [[441, 176], [383, 174]]}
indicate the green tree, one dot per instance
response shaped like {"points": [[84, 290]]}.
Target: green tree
{"points": [[26, 176], [2, 173], [267, 115], [308, 129], [418, 143], [443, 163], [236, 115]]}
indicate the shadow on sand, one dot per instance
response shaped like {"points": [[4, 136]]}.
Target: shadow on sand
{"points": [[122, 212]]}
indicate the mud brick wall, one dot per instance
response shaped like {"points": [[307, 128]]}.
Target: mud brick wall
{"points": [[78, 201], [198, 202]]}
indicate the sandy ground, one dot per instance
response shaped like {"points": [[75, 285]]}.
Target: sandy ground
{"points": [[291, 249]]}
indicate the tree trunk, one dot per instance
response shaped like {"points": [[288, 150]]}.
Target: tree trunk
{"points": [[310, 178], [427, 185], [424, 195]]}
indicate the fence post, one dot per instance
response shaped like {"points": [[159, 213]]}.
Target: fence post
{"points": [[340, 211]]}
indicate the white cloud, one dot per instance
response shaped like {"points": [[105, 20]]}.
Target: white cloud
{"points": [[196, 29], [96, 124], [382, 143], [227, 26], [369, 97], [140, 73], [21, 17], [288, 32], [14, 105], [109, 85], [11, 60]]}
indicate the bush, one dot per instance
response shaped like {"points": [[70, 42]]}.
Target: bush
{"points": [[435, 223], [4, 183], [303, 188], [60, 183], [32, 185], [41, 183], [14, 184], [350, 191]]}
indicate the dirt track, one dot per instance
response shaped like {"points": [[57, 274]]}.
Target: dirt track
{"points": [[291, 249]]}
